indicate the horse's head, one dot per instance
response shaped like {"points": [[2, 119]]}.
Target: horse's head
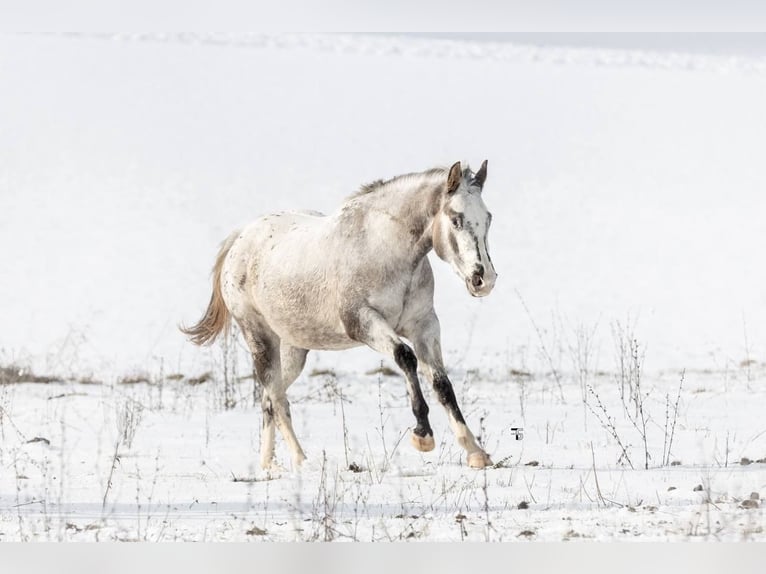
{"points": [[460, 229]]}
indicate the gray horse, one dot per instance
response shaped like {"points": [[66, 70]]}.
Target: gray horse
{"points": [[300, 281]]}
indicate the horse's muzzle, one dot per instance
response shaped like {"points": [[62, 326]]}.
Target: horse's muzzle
{"points": [[478, 286]]}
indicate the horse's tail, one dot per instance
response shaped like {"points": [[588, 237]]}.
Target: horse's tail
{"points": [[217, 316]]}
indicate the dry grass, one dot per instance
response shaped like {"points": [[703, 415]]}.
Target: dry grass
{"points": [[322, 373], [203, 378], [13, 374], [134, 380], [383, 370]]}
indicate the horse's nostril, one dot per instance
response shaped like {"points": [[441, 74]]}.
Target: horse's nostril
{"points": [[477, 280]]}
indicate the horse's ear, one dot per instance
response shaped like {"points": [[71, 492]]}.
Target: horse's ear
{"points": [[453, 179], [481, 175]]}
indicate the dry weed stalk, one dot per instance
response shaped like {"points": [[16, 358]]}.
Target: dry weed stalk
{"points": [[543, 347], [115, 461], [607, 423], [668, 442], [581, 353]]}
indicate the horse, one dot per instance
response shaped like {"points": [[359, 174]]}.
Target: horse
{"points": [[300, 281]]}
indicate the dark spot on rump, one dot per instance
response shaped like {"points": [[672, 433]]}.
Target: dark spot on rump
{"points": [[242, 281]]}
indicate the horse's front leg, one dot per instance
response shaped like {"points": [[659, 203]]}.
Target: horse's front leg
{"points": [[367, 326], [426, 337]]}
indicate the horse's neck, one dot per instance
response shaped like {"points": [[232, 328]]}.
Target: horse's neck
{"points": [[413, 204]]}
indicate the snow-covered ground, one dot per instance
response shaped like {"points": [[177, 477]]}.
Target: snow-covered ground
{"points": [[627, 193]]}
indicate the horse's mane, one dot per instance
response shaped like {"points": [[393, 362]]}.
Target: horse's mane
{"points": [[381, 183]]}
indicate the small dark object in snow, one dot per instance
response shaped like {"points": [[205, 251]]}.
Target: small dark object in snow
{"points": [[671, 488], [255, 531], [744, 461], [532, 463], [353, 467], [322, 373], [503, 462], [675, 463], [523, 505], [749, 503], [755, 496], [136, 380], [526, 533], [203, 378], [698, 488], [39, 439]]}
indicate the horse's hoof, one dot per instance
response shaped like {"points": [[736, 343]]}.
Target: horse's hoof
{"points": [[423, 443], [479, 459]]}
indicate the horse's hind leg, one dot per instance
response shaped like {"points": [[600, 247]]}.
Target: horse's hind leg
{"points": [[262, 348], [292, 360], [265, 347]]}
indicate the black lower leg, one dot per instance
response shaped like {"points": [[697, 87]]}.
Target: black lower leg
{"points": [[405, 358], [446, 394]]}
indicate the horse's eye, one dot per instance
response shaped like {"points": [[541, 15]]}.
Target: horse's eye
{"points": [[457, 222]]}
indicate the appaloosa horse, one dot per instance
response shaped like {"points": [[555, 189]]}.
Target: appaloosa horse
{"points": [[302, 280]]}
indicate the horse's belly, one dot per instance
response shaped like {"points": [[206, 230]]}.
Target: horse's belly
{"points": [[320, 341], [303, 311], [308, 329]]}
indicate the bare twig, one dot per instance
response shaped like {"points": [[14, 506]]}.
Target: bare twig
{"points": [[115, 460], [543, 347], [666, 453], [598, 487], [345, 428], [607, 422]]}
